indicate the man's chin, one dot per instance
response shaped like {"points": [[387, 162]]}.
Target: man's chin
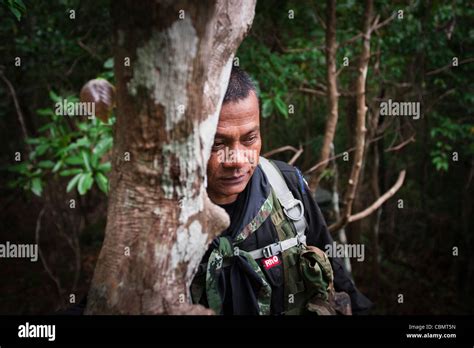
{"points": [[234, 189]]}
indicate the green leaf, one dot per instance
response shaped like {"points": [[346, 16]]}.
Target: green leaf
{"points": [[54, 97], [37, 186], [73, 182], [41, 149], [47, 126], [85, 183], [16, 13], [86, 158], [103, 146], [57, 166], [109, 63], [21, 168], [33, 141], [105, 167], [94, 160], [74, 160], [68, 172], [45, 112], [102, 182], [46, 164], [281, 106], [83, 142], [20, 5], [267, 108]]}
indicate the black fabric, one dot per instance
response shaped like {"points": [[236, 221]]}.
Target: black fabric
{"points": [[239, 283], [229, 208], [238, 278]]}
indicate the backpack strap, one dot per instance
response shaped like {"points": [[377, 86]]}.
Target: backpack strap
{"points": [[292, 208]]}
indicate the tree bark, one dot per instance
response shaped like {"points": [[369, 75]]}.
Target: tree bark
{"points": [[335, 207], [332, 92], [360, 120], [160, 219]]}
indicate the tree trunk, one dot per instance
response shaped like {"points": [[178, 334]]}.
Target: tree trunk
{"points": [[342, 237], [332, 92], [360, 132], [160, 219]]}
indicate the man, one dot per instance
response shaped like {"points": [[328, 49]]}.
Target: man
{"points": [[232, 281]]}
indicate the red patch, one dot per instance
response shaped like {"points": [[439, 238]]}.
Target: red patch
{"points": [[271, 262]]}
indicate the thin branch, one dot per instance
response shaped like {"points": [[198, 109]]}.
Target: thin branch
{"points": [[351, 40], [69, 72], [296, 156], [340, 70], [385, 22], [437, 71], [280, 149], [319, 164], [320, 20], [88, 50], [376, 205], [375, 26], [43, 260], [293, 159], [437, 100], [402, 144], [21, 119]]}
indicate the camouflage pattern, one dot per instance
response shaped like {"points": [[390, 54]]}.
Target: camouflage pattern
{"points": [[294, 286], [214, 267], [257, 221], [320, 307], [341, 302], [317, 271]]}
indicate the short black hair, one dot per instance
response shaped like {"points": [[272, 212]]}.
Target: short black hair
{"points": [[240, 85]]}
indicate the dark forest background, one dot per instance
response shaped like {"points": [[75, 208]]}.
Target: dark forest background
{"points": [[418, 244]]}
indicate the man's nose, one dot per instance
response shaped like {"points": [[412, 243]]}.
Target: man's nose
{"points": [[235, 157]]}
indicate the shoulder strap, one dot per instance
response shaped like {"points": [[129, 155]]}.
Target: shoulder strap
{"points": [[293, 208]]}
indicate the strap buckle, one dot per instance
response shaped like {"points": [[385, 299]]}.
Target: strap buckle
{"points": [[271, 250], [295, 203]]}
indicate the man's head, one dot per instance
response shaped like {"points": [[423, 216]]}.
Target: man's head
{"points": [[237, 142]]}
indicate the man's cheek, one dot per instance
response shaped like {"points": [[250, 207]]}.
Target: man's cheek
{"points": [[212, 164]]}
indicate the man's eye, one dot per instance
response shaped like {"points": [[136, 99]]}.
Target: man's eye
{"points": [[217, 145], [251, 139]]}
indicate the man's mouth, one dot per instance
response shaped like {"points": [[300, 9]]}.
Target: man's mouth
{"points": [[234, 180]]}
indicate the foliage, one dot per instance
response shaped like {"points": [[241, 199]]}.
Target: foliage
{"points": [[16, 7], [77, 151]]}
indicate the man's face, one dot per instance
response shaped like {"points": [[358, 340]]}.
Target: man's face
{"points": [[235, 151]]}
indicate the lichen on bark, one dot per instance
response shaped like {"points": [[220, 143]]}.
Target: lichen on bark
{"points": [[164, 68]]}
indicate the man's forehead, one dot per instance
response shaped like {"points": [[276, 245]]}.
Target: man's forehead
{"points": [[241, 113], [237, 131]]}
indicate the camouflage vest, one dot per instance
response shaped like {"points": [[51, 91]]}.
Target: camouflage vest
{"points": [[308, 275]]}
